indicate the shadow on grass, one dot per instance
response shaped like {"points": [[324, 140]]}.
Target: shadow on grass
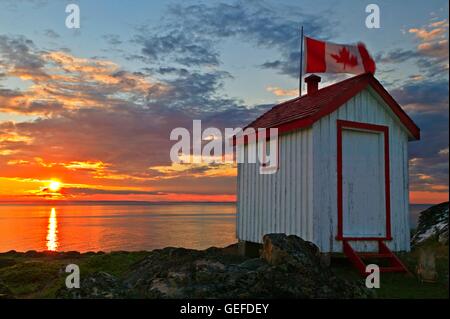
{"points": [[403, 286]]}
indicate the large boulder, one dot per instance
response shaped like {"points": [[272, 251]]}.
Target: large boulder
{"points": [[289, 267], [291, 250]]}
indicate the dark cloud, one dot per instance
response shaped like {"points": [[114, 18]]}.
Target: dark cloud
{"points": [[432, 95], [431, 62], [62, 81], [180, 47], [396, 56], [127, 133], [51, 34], [198, 93], [97, 191], [427, 103], [112, 39], [430, 54], [191, 33], [433, 68], [18, 54], [125, 122]]}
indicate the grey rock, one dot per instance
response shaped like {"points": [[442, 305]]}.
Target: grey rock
{"points": [[99, 285], [291, 250], [289, 267], [432, 225]]}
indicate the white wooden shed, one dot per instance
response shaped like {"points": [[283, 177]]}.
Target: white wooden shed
{"points": [[343, 170]]}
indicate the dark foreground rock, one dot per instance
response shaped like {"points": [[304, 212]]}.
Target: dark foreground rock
{"points": [[289, 267], [99, 285], [5, 293]]}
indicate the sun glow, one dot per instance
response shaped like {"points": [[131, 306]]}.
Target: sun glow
{"points": [[52, 231], [54, 186]]}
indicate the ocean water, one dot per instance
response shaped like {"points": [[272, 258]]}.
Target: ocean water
{"points": [[116, 227], [122, 227]]}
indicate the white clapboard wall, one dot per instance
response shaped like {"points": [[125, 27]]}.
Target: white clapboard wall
{"points": [[301, 198], [280, 202]]}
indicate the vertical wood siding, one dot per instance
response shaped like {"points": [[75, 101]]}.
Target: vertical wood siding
{"points": [[280, 202], [301, 198], [363, 184], [368, 108]]}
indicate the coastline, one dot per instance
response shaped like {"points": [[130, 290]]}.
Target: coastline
{"points": [[209, 273]]}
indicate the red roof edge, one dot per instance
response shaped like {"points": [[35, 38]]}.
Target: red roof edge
{"points": [[396, 108], [366, 80]]}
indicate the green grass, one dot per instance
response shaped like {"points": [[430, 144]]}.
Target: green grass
{"points": [[41, 276], [403, 286], [34, 279], [115, 263]]}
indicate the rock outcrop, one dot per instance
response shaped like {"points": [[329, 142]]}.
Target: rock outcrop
{"points": [[289, 267], [99, 285], [433, 225]]}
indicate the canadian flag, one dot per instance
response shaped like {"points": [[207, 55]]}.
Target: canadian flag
{"points": [[330, 57]]}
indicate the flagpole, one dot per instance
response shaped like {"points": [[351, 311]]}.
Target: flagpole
{"points": [[301, 63]]}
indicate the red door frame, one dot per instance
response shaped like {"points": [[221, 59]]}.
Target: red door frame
{"points": [[341, 124]]}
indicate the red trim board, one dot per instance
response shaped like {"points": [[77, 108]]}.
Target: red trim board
{"points": [[285, 123]]}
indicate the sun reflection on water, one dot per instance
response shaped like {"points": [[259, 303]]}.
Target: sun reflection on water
{"points": [[52, 231]]}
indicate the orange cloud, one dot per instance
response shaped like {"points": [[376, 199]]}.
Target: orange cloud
{"points": [[427, 35], [66, 82], [441, 23], [434, 39], [282, 92], [195, 170], [437, 49]]}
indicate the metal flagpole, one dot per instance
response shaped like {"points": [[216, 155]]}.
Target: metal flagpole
{"points": [[301, 63]]}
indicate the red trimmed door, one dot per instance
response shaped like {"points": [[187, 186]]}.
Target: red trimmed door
{"points": [[363, 171]]}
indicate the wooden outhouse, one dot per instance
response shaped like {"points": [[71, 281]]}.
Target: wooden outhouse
{"points": [[342, 178]]}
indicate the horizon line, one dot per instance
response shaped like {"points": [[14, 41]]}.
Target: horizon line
{"points": [[106, 202], [129, 202]]}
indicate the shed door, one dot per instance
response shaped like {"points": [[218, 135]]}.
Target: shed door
{"points": [[363, 184]]}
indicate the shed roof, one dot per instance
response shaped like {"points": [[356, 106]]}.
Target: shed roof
{"points": [[305, 110]]}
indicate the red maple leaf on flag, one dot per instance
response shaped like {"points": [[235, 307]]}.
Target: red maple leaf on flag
{"points": [[345, 58]]}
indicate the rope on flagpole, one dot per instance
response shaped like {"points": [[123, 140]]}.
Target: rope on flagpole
{"points": [[301, 63]]}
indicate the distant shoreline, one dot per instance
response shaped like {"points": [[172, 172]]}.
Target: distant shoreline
{"points": [[125, 203], [113, 203]]}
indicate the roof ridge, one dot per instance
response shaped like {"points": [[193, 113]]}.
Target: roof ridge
{"points": [[307, 109], [273, 107], [298, 98]]}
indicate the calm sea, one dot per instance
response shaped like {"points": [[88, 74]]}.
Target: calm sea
{"points": [[116, 227], [121, 227]]}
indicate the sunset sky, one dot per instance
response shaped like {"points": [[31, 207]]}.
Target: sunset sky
{"points": [[86, 114]]}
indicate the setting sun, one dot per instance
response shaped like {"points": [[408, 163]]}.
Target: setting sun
{"points": [[54, 186]]}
